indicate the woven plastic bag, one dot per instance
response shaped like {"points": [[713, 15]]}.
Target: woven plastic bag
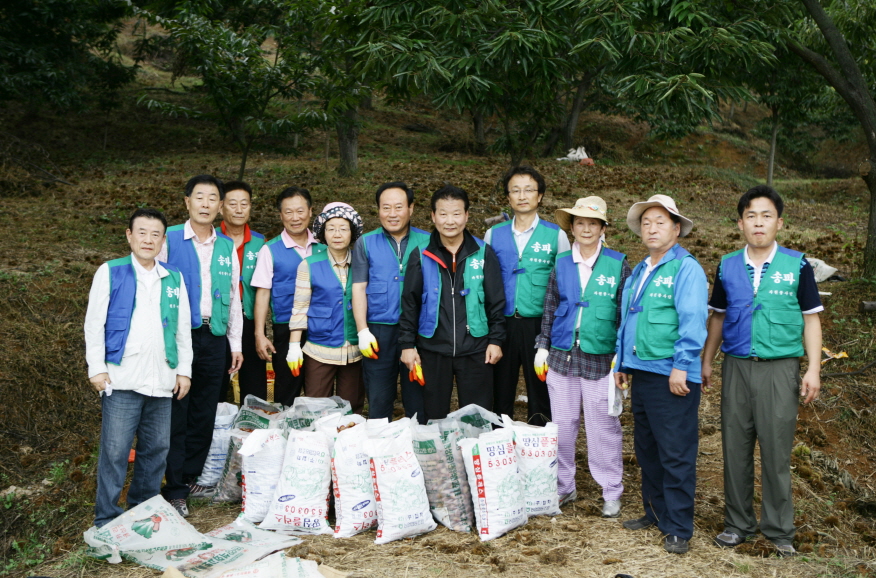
{"points": [[218, 452], [306, 410], [474, 420], [496, 485], [536, 451], [399, 489], [277, 566], [444, 470], [300, 501], [262, 460], [230, 486], [355, 506]]}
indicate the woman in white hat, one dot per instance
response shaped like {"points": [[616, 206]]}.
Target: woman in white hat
{"points": [[323, 306], [576, 346]]}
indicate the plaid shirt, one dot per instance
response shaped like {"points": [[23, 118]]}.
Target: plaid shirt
{"points": [[574, 363]]}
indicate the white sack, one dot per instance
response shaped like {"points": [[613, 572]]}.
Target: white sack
{"points": [[441, 460], [262, 454], [355, 507], [218, 452], [536, 451]]}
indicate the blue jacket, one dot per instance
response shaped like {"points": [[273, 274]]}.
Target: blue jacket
{"points": [[692, 308]]}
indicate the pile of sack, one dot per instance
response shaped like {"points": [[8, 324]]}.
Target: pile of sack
{"points": [[287, 465]]}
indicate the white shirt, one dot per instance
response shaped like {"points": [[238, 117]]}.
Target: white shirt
{"points": [[521, 238], [144, 367], [205, 257], [648, 268]]}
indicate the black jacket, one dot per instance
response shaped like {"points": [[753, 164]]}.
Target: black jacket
{"points": [[452, 339]]}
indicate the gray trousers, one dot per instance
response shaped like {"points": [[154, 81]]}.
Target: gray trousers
{"points": [[759, 403]]}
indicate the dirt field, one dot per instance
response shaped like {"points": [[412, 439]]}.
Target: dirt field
{"points": [[58, 234]]}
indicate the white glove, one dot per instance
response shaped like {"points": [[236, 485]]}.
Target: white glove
{"points": [[107, 389], [368, 344], [295, 357], [541, 366]]}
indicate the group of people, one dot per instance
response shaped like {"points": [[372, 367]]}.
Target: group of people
{"points": [[398, 308]]}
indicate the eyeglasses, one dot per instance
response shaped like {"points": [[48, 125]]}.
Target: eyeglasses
{"points": [[527, 191]]}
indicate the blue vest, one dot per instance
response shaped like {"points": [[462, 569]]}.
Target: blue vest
{"points": [[472, 290], [525, 275], [122, 300], [286, 261], [385, 273], [181, 253], [598, 300], [770, 322], [330, 319]]}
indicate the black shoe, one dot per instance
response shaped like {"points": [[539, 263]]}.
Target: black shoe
{"points": [[638, 524], [676, 545]]}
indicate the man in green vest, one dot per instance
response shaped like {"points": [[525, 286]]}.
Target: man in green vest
{"points": [[451, 322], [236, 213], [765, 307], [527, 247], [138, 358]]}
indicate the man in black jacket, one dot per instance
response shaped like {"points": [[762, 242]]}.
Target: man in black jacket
{"points": [[452, 302]]}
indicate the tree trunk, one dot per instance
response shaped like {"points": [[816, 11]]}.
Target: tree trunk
{"points": [[775, 132], [367, 103], [348, 142], [243, 156], [575, 113], [480, 135], [850, 84]]}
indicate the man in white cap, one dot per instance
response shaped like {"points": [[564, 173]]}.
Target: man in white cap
{"points": [[662, 333]]}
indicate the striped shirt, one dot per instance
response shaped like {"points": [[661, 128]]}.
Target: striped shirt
{"points": [[343, 355]]}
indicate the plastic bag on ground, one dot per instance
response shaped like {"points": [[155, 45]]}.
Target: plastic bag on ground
{"points": [[496, 486], [256, 413], [332, 423], [536, 450], [444, 471], [262, 454], [616, 395], [230, 485], [218, 452], [300, 501], [355, 507], [383, 428], [399, 489], [306, 410], [475, 420], [277, 566], [246, 533], [151, 525]]}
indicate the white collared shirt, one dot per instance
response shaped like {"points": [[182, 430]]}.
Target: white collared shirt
{"points": [[585, 270], [205, 257], [144, 367], [263, 276]]}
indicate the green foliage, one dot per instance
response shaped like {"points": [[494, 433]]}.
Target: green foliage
{"points": [[250, 67], [59, 52]]}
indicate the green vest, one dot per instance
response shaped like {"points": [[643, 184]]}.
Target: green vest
{"points": [[525, 274], [170, 314], [657, 328], [473, 291], [247, 268]]}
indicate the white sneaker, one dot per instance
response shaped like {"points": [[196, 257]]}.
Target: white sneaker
{"points": [[611, 509], [570, 497]]}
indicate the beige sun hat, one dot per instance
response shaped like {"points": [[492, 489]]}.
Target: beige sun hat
{"points": [[634, 216], [593, 207]]}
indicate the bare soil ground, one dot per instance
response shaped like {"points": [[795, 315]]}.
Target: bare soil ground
{"points": [[57, 235]]}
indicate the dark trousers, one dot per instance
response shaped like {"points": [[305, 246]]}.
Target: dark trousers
{"points": [[759, 403], [286, 386], [474, 382], [519, 350], [192, 417], [345, 381], [666, 438], [252, 377], [382, 377]]}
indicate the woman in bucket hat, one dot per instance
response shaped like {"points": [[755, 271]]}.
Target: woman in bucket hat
{"points": [[660, 338], [323, 306], [576, 346]]}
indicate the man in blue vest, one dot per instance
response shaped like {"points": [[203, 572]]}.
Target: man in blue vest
{"points": [[236, 213], [379, 261], [765, 307], [138, 357], [452, 325], [659, 341], [205, 257], [527, 247], [274, 280]]}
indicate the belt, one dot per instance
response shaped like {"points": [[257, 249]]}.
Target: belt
{"points": [[517, 315], [759, 359], [205, 322]]}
